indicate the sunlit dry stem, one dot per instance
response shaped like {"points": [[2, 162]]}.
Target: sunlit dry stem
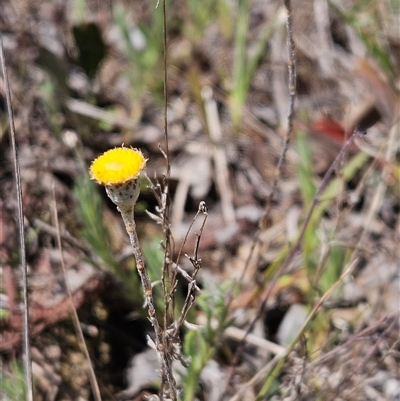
{"points": [[127, 214], [21, 229], [292, 58], [130, 225], [263, 224], [74, 314], [196, 262]]}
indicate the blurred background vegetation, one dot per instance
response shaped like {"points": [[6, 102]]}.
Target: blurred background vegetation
{"points": [[87, 76]]}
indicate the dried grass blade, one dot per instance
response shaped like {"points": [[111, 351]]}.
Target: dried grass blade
{"points": [[21, 230], [74, 314]]}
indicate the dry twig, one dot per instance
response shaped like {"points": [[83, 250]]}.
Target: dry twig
{"points": [[278, 172], [74, 314], [22, 250]]}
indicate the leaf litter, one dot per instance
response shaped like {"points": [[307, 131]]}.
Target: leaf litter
{"points": [[345, 78]]}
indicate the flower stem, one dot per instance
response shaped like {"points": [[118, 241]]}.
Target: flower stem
{"points": [[130, 225]]}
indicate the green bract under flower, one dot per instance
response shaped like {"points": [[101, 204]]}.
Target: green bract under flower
{"points": [[117, 166]]}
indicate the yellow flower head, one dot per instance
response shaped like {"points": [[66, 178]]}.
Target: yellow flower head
{"points": [[117, 166]]}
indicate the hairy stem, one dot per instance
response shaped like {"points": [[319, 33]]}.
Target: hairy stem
{"points": [[162, 351]]}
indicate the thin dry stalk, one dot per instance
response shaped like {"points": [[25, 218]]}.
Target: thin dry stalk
{"points": [[21, 232], [74, 314], [170, 340], [277, 368], [380, 190], [168, 289], [290, 116], [164, 11], [256, 378], [315, 202], [357, 375], [367, 332], [278, 171], [161, 341], [288, 135], [374, 348], [170, 334], [196, 262], [296, 247]]}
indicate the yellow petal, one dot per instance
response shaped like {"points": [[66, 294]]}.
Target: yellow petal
{"points": [[117, 166]]}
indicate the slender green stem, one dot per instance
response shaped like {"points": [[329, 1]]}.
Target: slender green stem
{"points": [[240, 62]]}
